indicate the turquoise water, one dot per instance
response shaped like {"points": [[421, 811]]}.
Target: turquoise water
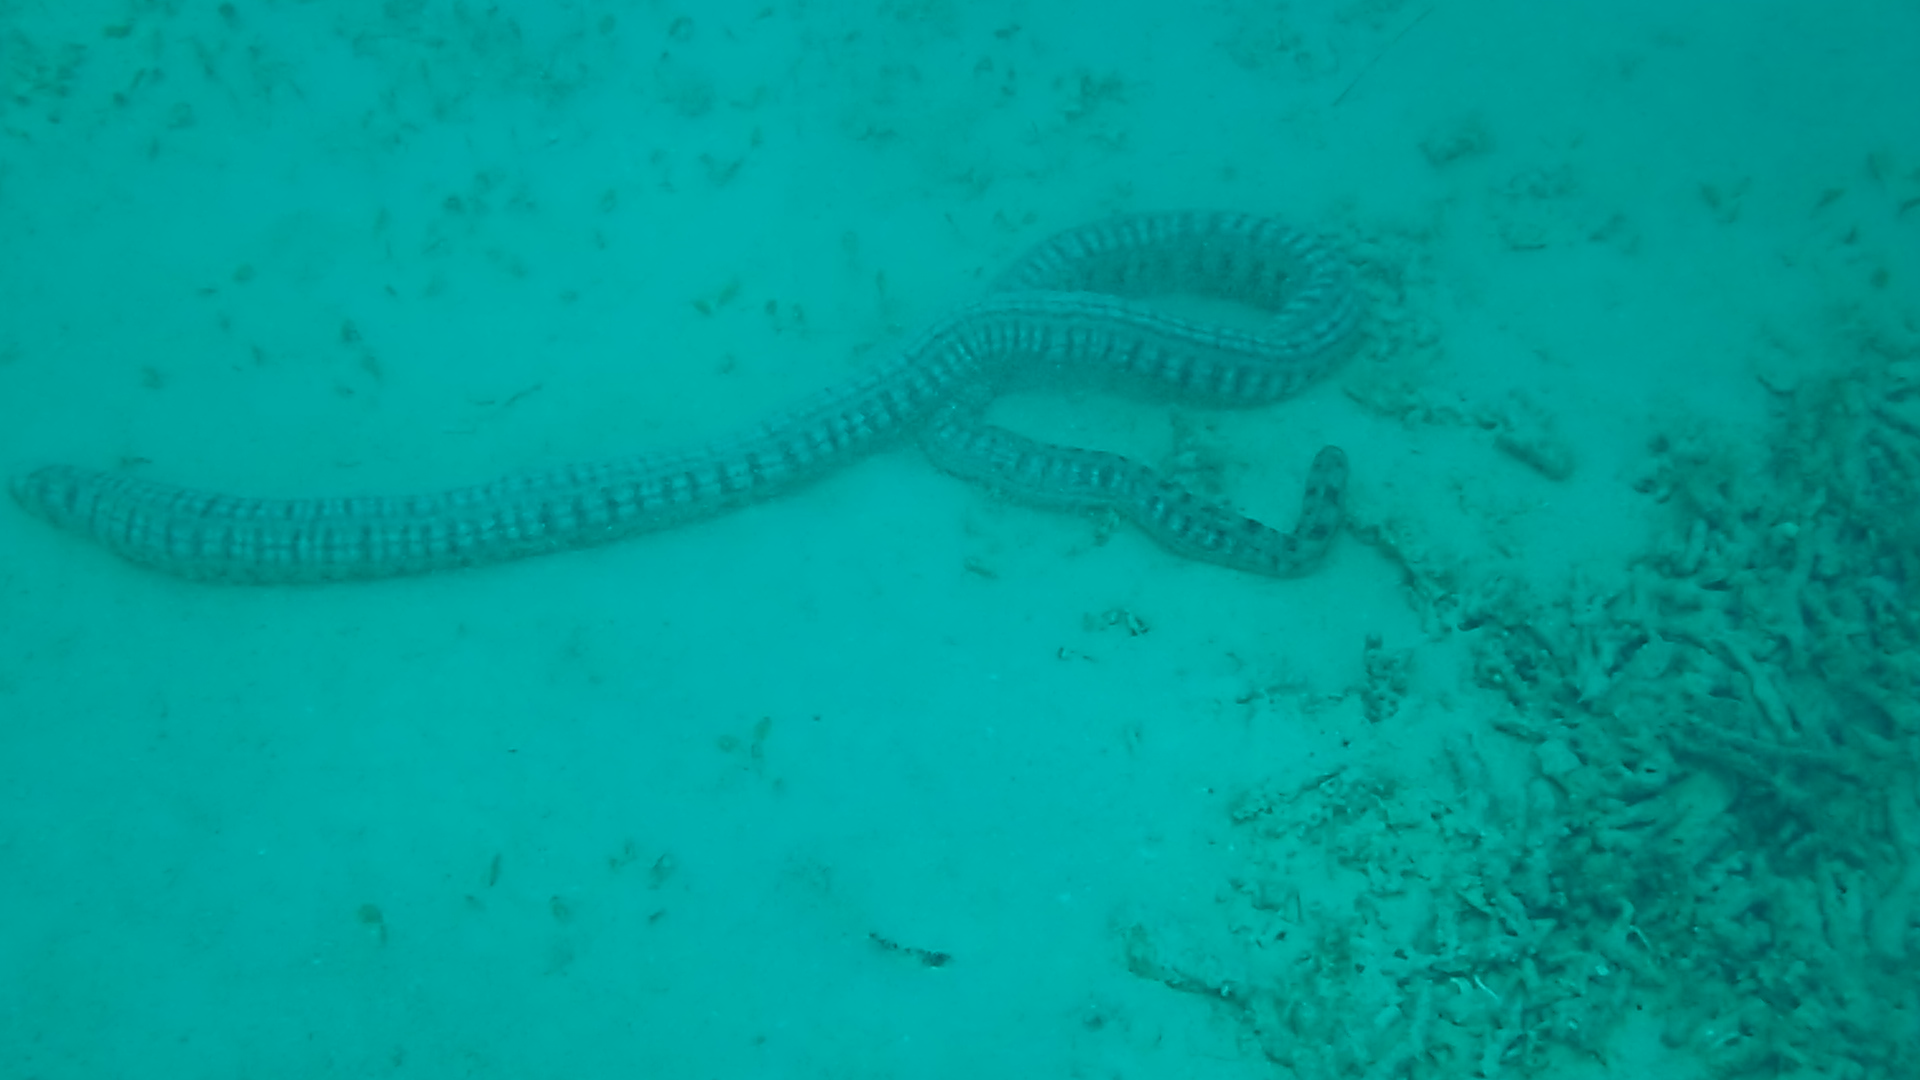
{"points": [[1589, 751]]}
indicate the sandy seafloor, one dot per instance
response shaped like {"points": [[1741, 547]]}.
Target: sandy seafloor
{"points": [[891, 778]]}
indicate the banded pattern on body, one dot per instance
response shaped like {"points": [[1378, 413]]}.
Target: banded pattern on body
{"points": [[1070, 309], [1069, 478]]}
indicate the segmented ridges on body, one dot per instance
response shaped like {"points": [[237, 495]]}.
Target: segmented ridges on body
{"points": [[1069, 306]]}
